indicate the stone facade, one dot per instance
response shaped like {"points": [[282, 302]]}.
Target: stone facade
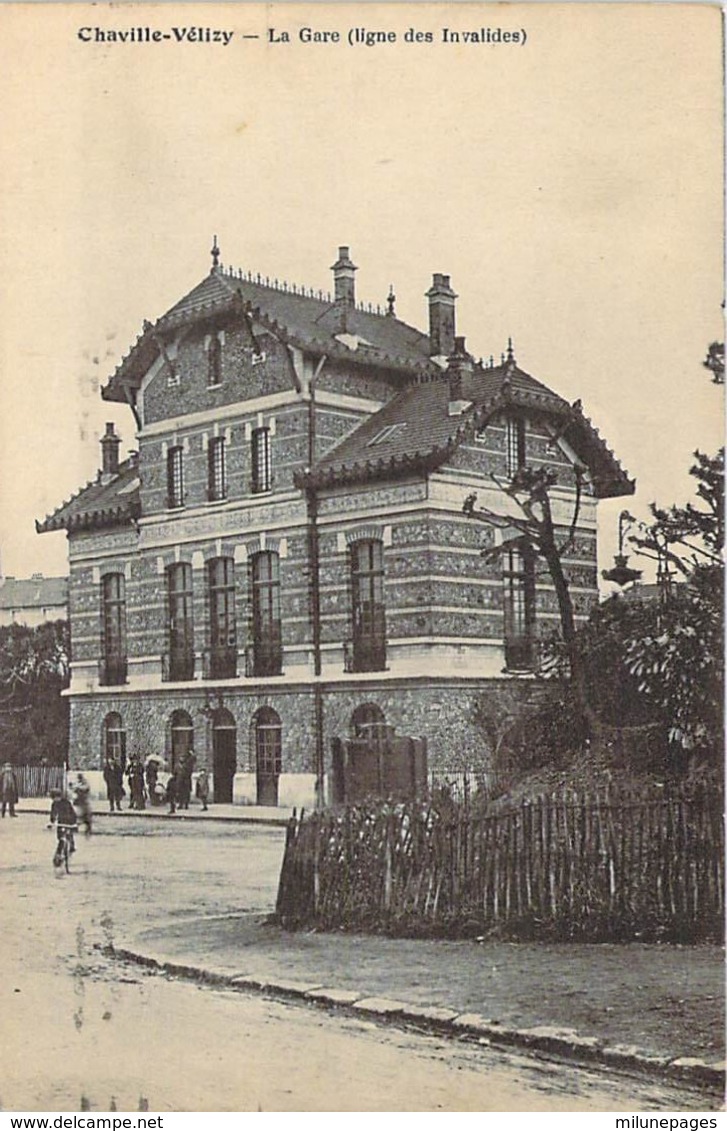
{"points": [[232, 412]]}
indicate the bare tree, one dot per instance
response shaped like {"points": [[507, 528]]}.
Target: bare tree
{"points": [[534, 527]]}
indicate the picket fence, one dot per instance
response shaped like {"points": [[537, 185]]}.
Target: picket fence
{"points": [[37, 780], [569, 867]]}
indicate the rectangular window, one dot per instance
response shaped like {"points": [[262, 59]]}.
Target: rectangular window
{"points": [[262, 477], [113, 606], [515, 445], [267, 646], [175, 477], [223, 635], [216, 470], [180, 623], [519, 609], [369, 620], [214, 361]]}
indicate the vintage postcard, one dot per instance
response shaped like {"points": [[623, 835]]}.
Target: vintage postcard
{"points": [[361, 528]]}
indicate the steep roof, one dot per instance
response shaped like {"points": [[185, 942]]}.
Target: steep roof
{"points": [[36, 592], [420, 428], [304, 318], [105, 501]]}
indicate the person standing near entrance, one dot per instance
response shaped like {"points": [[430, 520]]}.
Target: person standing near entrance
{"points": [[184, 787], [203, 788], [9, 789], [114, 778]]}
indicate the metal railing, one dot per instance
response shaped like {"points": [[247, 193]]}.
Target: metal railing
{"points": [[177, 667], [219, 663], [263, 658], [522, 653], [112, 670], [364, 656]]}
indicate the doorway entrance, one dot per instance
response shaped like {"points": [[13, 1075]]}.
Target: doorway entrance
{"points": [[267, 737], [224, 755]]}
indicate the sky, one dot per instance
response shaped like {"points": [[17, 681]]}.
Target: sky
{"points": [[570, 183]]}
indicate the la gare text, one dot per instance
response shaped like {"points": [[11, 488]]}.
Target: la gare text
{"points": [[368, 37]]}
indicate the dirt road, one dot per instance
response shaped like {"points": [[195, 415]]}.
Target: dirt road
{"points": [[77, 1027]]}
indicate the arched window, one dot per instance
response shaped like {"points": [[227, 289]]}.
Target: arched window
{"points": [[368, 723], [113, 615], [266, 734], [267, 647], [114, 739], [182, 737], [368, 614]]}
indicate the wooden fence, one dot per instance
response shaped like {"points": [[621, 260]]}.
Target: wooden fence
{"points": [[37, 781], [568, 867]]}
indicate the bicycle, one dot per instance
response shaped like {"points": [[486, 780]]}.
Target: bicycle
{"points": [[64, 848]]}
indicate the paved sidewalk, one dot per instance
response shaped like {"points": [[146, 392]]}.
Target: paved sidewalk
{"points": [[244, 814], [615, 1006]]}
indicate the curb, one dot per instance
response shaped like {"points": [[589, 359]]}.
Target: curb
{"points": [[161, 813], [552, 1040]]}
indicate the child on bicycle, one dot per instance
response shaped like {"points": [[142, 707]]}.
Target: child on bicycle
{"points": [[63, 816]]}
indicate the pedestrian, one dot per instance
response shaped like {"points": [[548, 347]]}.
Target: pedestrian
{"points": [[114, 777], [184, 786], [172, 792], [135, 774], [9, 789], [152, 772], [202, 789], [82, 802]]}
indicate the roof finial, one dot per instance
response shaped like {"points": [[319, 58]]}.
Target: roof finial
{"points": [[391, 299], [510, 352], [215, 253]]}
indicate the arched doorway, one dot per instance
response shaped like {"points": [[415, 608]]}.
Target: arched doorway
{"points": [[114, 739], [182, 738], [266, 733], [224, 755], [368, 723]]}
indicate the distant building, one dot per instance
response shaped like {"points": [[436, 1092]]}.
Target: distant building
{"points": [[33, 600], [285, 565]]}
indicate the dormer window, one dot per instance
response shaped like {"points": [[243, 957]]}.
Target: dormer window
{"points": [[387, 433], [515, 444], [214, 361]]}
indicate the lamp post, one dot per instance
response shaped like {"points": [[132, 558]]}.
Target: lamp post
{"points": [[621, 573]]}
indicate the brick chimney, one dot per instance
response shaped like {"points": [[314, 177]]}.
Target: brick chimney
{"points": [[441, 316], [459, 370], [343, 281], [110, 451]]}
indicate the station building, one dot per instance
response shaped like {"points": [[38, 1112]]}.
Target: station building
{"points": [[284, 564]]}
